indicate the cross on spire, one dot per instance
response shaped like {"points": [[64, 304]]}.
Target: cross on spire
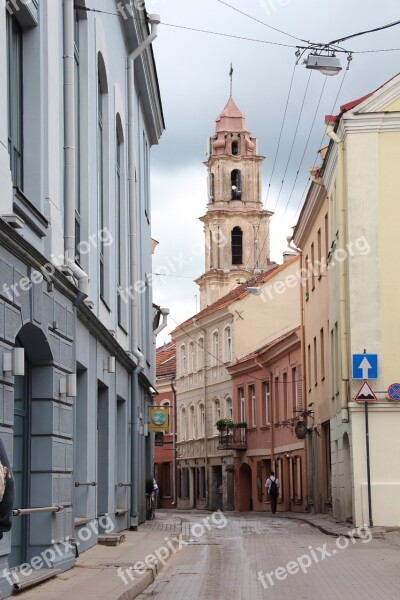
{"points": [[230, 75]]}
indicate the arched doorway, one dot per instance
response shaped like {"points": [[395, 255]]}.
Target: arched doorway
{"points": [[347, 491], [245, 488], [38, 359]]}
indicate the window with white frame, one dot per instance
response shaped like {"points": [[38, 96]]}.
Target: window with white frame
{"points": [[215, 346], [267, 403], [200, 350], [252, 393], [202, 420], [228, 344], [242, 406], [229, 410], [192, 365], [217, 410], [192, 423], [183, 360], [184, 425]]}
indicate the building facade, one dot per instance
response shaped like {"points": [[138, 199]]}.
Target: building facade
{"points": [[267, 395], [165, 442], [80, 111]]}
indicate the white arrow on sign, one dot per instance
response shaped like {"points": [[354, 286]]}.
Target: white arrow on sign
{"points": [[365, 366]]}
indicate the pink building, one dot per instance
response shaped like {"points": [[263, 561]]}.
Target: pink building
{"points": [[267, 397]]}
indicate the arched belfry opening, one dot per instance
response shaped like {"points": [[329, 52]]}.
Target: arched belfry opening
{"points": [[237, 246], [236, 182]]}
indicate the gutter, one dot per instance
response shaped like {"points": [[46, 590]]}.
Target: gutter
{"points": [[344, 333]]}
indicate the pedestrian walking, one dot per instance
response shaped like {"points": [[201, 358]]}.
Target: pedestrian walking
{"points": [[156, 491], [272, 485]]}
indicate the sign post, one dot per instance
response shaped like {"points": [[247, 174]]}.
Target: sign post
{"points": [[366, 395]]}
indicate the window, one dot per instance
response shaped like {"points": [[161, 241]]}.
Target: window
{"points": [[277, 411], [192, 423], [235, 148], [309, 366], [77, 141], [267, 403], [252, 392], [211, 183], [229, 411], [315, 362], [15, 100], [201, 352], [192, 357], [312, 267], [236, 185], [319, 253], [322, 354], [184, 427], [285, 396], [215, 348], [326, 239], [183, 360], [100, 178], [307, 263], [118, 193], [242, 407], [237, 246], [217, 410], [295, 401], [228, 344], [336, 358], [166, 405], [202, 420]]}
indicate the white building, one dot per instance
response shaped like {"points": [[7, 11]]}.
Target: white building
{"points": [[80, 109]]}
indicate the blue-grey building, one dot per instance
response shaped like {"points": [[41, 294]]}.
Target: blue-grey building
{"points": [[80, 109]]}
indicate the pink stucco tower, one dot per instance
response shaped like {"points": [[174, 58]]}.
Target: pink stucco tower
{"points": [[236, 227]]}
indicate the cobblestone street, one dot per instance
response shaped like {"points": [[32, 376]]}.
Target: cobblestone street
{"points": [[258, 556]]}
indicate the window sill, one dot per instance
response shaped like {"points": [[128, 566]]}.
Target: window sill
{"points": [[105, 303]]}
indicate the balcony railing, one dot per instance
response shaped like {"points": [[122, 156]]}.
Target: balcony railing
{"points": [[233, 439]]}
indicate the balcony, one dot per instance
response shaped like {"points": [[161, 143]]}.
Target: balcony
{"points": [[233, 439]]}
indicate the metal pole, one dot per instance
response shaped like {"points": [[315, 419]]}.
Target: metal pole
{"points": [[371, 524]]}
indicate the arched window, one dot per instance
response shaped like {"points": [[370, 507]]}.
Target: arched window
{"points": [[215, 348], [237, 246], [184, 427], [236, 185], [229, 410], [202, 420], [228, 344], [235, 148], [192, 418], [217, 410], [200, 347], [192, 361], [183, 360], [211, 187]]}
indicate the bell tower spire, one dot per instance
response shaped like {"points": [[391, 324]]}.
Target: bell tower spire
{"points": [[236, 226], [230, 75]]}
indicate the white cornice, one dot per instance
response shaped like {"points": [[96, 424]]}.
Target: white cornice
{"points": [[378, 122]]}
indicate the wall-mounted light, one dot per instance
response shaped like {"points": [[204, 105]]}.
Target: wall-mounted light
{"points": [[109, 364], [14, 362], [68, 386]]}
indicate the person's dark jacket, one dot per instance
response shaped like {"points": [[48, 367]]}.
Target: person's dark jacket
{"points": [[7, 504]]}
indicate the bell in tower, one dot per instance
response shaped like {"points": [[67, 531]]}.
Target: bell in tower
{"points": [[236, 226]]}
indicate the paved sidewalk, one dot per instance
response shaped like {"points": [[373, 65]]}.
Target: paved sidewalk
{"points": [[331, 526], [95, 576]]}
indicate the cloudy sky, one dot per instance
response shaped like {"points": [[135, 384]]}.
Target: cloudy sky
{"points": [[193, 70]]}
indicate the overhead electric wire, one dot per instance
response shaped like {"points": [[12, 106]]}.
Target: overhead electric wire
{"points": [[354, 35], [294, 140], [263, 22], [305, 149]]}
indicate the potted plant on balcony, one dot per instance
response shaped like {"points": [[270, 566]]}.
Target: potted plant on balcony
{"points": [[241, 425], [223, 424]]}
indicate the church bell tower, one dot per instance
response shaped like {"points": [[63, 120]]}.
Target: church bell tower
{"points": [[236, 227]]}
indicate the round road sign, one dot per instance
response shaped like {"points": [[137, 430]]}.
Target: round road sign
{"points": [[394, 391]]}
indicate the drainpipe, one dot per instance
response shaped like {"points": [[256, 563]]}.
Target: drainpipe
{"points": [[174, 434], [69, 131], [203, 331], [134, 250], [344, 336]]}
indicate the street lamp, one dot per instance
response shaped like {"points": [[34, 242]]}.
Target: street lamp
{"points": [[325, 64]]}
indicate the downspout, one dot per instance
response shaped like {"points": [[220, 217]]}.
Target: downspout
{"points": [[342, 206], [133, 250], [174, 434], [69, 131], [205, 418]]}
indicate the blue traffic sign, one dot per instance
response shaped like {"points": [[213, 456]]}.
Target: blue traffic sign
{"points": [[394, 391], [365, 366]]}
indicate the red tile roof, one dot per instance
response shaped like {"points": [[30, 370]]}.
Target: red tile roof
{"points": [[236, 294], [166, 359]]}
